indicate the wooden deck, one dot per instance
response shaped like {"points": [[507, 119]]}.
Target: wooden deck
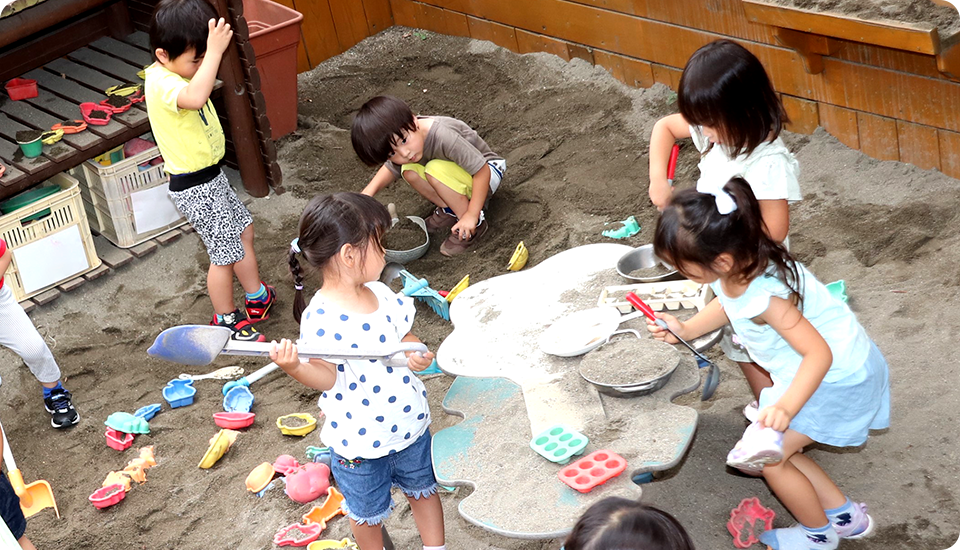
{"points": [[64, 83]]}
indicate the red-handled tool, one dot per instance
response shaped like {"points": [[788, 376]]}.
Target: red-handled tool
{"points": [[713, 376], [672, 165]]}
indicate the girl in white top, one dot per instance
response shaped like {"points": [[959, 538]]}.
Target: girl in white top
{"points": [[830, 382], [377, 417], [730, 109]]}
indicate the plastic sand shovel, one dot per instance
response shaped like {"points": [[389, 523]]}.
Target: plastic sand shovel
{"points": [[201, 344], [713, 376], [672, 165], [33, 496], [250, 378]]}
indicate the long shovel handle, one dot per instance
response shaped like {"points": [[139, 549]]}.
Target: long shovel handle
{"points": [[672, 165], [13, 473], [262, 349], [648, 311]]}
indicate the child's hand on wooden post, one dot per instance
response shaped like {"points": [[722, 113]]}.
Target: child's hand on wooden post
{"points": [[219, 36]]}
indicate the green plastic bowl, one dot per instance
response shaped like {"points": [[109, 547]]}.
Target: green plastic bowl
{"points": [[32, 149], [27, 198]]}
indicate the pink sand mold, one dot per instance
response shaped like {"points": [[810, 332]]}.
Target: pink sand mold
{"points": [[297, 534], [559, 443], [308, 482], [127, 423], [107, 496], [592, 470], [179, 393], [118, 440], [234, 420], [147, 412], [238, 399], [285, 464], [744, 521]]}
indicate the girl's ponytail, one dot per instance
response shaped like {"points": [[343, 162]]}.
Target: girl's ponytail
{"points": [[298, 304]]}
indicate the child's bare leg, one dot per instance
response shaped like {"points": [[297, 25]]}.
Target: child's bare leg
{"points": [[421, 186], [428, 514], [457, 202], [25, 543], [791, 486], [369, 537], [246, 269], [220, 288], [827, 491], [756, 377]]}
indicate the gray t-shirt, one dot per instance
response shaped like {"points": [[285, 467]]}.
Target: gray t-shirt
{"points": [[452, 139]]}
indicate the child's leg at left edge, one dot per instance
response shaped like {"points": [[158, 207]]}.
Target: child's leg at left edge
{"points": [[805, 496]]}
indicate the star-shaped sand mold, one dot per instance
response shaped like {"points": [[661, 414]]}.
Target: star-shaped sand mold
{"points": [[508, 391]]}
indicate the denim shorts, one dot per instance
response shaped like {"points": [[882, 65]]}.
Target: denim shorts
{"points": [[10, 509], [366, 483]]}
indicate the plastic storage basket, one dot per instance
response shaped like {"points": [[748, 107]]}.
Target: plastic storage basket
{"points": [[112, 195], [33, 240]]}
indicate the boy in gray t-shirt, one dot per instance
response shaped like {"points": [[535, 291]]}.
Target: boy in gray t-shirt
{"points": [[442, 158]]}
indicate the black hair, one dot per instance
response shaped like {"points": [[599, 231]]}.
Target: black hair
{"points": [[327, 223], [725, 86], [178, 25], [379, 123], [691, 231], [616, 523]]}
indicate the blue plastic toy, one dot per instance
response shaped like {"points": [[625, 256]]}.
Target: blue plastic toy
{"points": [[319, 454], [147, 412], [420, 289], [179, 393], [238, 399], [559, 443], [629, 228], [127, 423]]}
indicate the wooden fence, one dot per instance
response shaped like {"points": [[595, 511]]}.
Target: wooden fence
{"points": [[887, 90]]}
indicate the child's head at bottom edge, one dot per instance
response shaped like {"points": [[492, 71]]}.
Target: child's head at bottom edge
{"points": [[341, 236], [616, 523]]}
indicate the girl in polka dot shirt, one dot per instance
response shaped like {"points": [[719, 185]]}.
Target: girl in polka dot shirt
{"points": [[377, 417]]}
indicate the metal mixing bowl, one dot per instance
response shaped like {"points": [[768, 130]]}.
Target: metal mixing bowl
{"points": [[642, 257]]}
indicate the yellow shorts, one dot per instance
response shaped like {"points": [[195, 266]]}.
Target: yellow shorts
{"points": [[453, 176]]}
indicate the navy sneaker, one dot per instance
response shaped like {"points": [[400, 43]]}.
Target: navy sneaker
{"points": [[60, 407], [258, 310]]}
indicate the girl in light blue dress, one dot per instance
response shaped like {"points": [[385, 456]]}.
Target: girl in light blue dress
{"points": [[830, 382]]}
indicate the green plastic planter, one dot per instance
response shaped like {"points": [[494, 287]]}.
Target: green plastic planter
{"points": [[32, 149]]}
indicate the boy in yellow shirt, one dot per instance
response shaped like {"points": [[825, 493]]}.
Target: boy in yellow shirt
{"points": [[188, 41]]}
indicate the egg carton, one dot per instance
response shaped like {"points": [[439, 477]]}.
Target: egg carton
{"points": [[660, 296]]}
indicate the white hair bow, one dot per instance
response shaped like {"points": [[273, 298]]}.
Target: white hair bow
{"points": [[725, 202]]}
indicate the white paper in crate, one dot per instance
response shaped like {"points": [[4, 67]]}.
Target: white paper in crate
{"points": [[51, 259], [153, 209]]}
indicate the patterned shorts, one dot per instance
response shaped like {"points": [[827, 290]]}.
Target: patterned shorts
{"points": [[217, 215]]}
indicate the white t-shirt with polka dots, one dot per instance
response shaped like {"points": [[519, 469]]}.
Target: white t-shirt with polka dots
{"points": [[372, 410]]}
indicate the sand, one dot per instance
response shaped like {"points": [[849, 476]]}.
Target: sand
{"points": [[898, 12], [628, 360], [576, 145]]}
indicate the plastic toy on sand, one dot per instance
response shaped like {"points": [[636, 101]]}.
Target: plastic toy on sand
{"points": [[219, 445], [319, 454], [331, 508], [592, 470], [629, 227], [308, 483], [234, 420], [258, 478], [179, 393], [420, 289], [238, 399], [127, 423], [519, 258], [327, 544], [147, 412], [297, 534], [107, 496], [118, 440], [297, 424], [559, 443], [745, 520], [285, 464]]}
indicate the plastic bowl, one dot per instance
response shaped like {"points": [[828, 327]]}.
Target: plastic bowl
{"points": [[404, 256], [21, 88], [642, 257]]}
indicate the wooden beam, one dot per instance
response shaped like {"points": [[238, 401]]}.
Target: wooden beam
{"points": [[811, 47]]}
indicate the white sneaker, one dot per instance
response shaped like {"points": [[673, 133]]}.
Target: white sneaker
{"points": [[751, 411], [758, 447]]}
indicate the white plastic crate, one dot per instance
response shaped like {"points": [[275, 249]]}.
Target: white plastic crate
{"points": [[51, 249], [669, 295], [129, 205]]}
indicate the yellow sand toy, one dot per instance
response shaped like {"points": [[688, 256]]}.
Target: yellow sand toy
{"points": [[261, 476], [329, 544], [219, 445], [519, 258], [34, 496], [458, 288], [297, 424]]}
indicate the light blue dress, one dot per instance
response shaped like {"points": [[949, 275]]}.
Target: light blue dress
{"points": [[854, 396]]}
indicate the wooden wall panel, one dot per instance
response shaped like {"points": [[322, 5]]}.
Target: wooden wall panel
{"points": [[919, 145], [404, 12], [379, 16], [949, 153], [317, 31], [350, 22], [442, 21], [804, 115], [841, 123], [666, 75], [501, 35], [878, 136], [528, 42]]}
